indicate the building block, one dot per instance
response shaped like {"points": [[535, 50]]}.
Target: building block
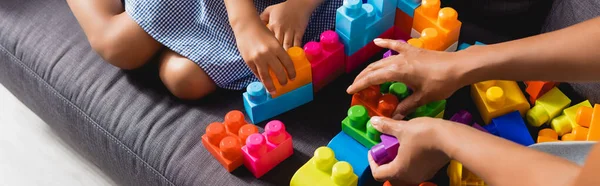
{"points": [[365, 53], [547, 135], [589, 117], [568, 137], [408, 7], [385, 87], [349, 150], [358, 126], [350, 19], [303, 73], [511, 127], [384, 7], [568, 120], [461, 176], [497, 97], [479, 127], [376, 104], [463, 46], [264, 151], [385, 151], [445, 21], [381, 25], [324, 169], [580, 133], [400, 90], [327, 59], [429, 110], [440, 115], [418, 43], [260, 106], [403, 22], [536, 89], [547, 107], [463, 117], [430, 38], [224, 140], [400, 34]]}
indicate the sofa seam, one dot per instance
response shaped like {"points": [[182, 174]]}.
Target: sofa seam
{"points": [[86, 116]]}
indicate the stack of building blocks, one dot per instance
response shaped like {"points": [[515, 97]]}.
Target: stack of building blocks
{"points": [[536, 89], [357, 125], [495, 98], [324, 169], [590, 118], [566, 122], [358, 24], [326, 58], [405, 14], [444, 21], [461, 176], [547, 107], [261, 105], [349, 150], [511, 127], [224, 140], [264, 151]]}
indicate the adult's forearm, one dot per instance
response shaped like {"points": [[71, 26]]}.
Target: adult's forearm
{"points": [[569, 54], [501, 162], [241, 13]]}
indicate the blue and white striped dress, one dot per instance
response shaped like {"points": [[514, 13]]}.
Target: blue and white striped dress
{"points": [[200, 31]]}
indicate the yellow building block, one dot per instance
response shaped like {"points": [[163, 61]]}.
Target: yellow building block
{"points": [[567, 121], [497, 97], [441, 115], [547, 107], [323, 169], [444, 20], [460, 176], [303, 73]]}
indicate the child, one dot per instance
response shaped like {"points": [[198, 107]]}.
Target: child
{"points": [[426, 144], [198, 40]]}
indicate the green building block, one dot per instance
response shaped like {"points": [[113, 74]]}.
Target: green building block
{"points": [[432, 109], [400, 90], [385, 87], [357, 125]]}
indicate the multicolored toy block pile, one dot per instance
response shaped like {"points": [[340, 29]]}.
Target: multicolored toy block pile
{"points": [[235, 142]]}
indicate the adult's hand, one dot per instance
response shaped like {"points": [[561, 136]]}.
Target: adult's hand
{"points": [[432, 75]]}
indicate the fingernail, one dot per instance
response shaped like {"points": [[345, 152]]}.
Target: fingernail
{"points": [[348, 89], [375, 121], [378, 40]]}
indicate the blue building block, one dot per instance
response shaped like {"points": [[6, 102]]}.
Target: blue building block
{"points": [[384, 7], [409, 6], [349, 150], [463, 46], [511, 127], [351, 18], [379, 26], [479, 43], [352, 45], [260, 106]]}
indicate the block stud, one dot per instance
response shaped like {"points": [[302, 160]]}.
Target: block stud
{"points": [[312, 50], [247, 130], [324, 159], [568, 137], [329, 40], [387, 104], [447, 17], [369, 9], [275, 131], [230, 147], [234, 120], [561, 125], [358, 116], [370, 95], [400, 90], [429, 37], [341, 172], [537, 115], [256, 145], [256, 92], [415, 42], [297, 54], [487, 84], [584, 116], [431, 7], [495, 95], [373, 133], [548, 133], [215, 132], [353, 7]]}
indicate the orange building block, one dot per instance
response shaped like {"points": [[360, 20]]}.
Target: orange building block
{"points": [[589, 117], [580, 133], [431, 40], [376, 103], [497, 97], [225, 140], [303, 73], [445, 21], [537, 89], [547, 135], [568, 137]]}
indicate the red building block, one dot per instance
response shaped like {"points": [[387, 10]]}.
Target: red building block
{"points": [[263, 152], [364, 54], [377, 104], [326, 58], [224, 140], [403, 22], [537, 89]]}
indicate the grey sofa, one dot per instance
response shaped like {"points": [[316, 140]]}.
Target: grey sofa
{"points": [[127, 123]]}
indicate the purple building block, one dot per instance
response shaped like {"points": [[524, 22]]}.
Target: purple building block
{"points": [[385, 151], [463, 117], [479, 127]]}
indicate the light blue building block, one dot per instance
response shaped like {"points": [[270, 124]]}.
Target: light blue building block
{"points": [[511, 127], [379, 26], [374, 26], [349, 150], [352, 45], [260, 106], [384, 7], [409, 6], [463, 46], [479, 43], [351, 18]]}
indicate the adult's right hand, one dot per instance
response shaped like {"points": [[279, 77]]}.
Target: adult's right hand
{"points": [[432, 75]]}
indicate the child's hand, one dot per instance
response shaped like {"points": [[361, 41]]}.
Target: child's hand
{"points": [[288, 20], [262, 52], [419, 154]]}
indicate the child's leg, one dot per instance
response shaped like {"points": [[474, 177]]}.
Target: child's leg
{"points": [[184, 78], [113, 34]]}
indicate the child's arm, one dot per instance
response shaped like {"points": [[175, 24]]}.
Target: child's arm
{"points": [[259, 48], [570, 54], [426, 144]]}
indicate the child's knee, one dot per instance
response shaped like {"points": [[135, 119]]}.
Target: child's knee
{"points": [[184, 78]]}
